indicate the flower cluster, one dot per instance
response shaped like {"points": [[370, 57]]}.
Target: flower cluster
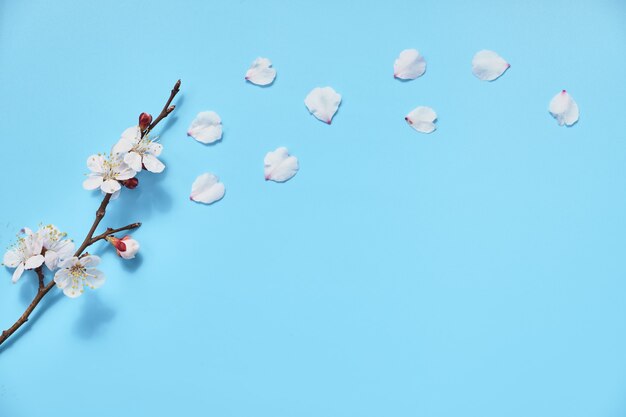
{"points": [[133, 152]]}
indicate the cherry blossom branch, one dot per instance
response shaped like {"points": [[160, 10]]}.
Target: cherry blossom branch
{"points": [[89, 239]]}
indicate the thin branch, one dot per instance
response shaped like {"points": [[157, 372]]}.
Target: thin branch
{"points": [[89, 239], [39, 272], [110, 232], [167, 109]]}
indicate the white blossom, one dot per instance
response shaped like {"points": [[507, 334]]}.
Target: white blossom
{"points": [[138, 151], [75, 273], [57, 248], [25, 254], [107, 172]]}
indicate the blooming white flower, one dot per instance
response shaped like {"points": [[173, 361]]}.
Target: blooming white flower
{"points": [[138, 150], [56, 248], [126, 247], [107, 172], [76, 272], [25, 254]]}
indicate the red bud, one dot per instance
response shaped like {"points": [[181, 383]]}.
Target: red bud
{"points": [[144, 121], [130, 183]]}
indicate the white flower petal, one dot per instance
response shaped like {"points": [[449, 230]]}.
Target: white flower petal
{"points": [[488, 65], [206, 127], [261, 73], [74, 290], [422, 119], [51, 259], [92, 182], [95, 163], [153, 164], [155, 148], [34, 262], [95, 278], [110, 186], [129, 138], [564, 109], [133, 160], [409, 65], [66, 263], [323, 103], [65, 249], [17, 273], [207, 189], [12, 258], [280, 166], [62, 278], [90, 261]]}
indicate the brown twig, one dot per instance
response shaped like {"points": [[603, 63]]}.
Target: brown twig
{"points": [[89, 239], [110, 232]]}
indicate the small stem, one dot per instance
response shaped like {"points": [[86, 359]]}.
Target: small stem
{"points": [[39, 272], [167, 109], [110, 232]]}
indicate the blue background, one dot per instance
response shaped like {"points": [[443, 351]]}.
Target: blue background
{"points": [[476, 271]]}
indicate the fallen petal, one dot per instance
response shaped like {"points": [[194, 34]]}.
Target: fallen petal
{"points": [[564, 109], [207, 189], [280, 166], [206, 127], [488, 65], [409, 65], [323, 103], [422, 119], [261, 73]]}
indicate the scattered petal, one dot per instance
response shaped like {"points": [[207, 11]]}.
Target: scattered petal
{"points": [[261, 73], [564, 109], [206, 127], [323, 103], [422, 119], [409, 65], [280, 166], [207, 189], [488, 65]]}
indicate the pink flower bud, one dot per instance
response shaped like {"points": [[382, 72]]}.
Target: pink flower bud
{"points": [[144, 121], [126, 247], [130, 183]]}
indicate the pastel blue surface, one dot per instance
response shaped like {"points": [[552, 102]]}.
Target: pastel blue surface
{"points": [[477, 271]]}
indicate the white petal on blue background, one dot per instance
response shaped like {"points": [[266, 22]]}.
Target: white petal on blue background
{"points": [[409, 65], [261, 72], [280, 166], [323, 103], [207, 189], [422, 119], [488, 65], [564, 109], [206, 127]]}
